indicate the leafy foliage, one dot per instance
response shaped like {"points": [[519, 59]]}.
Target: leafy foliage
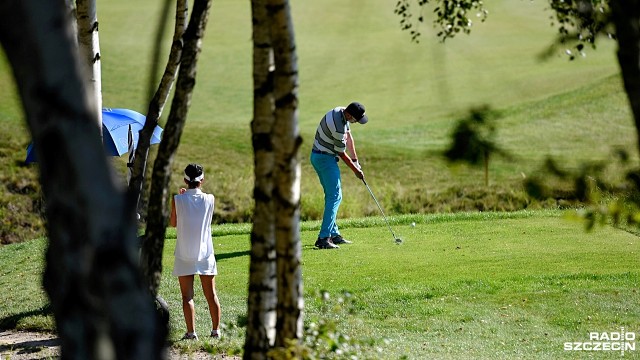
{"points": [[473, 138], [580, 23], [606, 198], [452, 16], [322, 339]]}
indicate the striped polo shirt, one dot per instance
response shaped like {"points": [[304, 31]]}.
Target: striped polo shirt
{"points": [[331, 134]]}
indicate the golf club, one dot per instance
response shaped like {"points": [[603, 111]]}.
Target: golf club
{"points": [[397, 239]]}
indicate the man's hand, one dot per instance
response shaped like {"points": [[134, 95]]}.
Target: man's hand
{"points": [[356, 163], [353, 165], [358, 169]]}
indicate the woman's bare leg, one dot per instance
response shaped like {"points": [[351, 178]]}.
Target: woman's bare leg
{"points": [[188, 307], [209, 289]]}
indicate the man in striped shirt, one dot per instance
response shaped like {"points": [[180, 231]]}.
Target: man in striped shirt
{"points": [[333, 141]]}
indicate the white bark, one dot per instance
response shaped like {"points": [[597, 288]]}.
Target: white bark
{"points": [[286, 140], [89, 47], [276, 223], [261, 303]]}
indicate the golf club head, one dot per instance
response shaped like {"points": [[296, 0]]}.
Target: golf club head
{"points": [[396, 239]]}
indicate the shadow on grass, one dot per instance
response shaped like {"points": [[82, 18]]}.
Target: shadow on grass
{"points": [[10, 322], [30, 346], [232, 255]]}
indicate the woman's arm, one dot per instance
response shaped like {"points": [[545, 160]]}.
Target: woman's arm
{"points": [[173, 220]]}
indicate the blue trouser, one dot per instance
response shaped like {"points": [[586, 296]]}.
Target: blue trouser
{"points": [[327, 168]]}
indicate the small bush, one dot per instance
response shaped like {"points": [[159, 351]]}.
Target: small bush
{"points": [[322, 336]]}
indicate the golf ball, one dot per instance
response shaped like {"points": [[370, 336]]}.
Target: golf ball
{"points": [[413, 224]]}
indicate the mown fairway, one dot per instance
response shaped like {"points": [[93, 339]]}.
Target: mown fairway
{"points": [[470, 285]]}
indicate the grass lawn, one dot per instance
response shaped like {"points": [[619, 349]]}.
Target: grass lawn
{"points": [[467, 285]]}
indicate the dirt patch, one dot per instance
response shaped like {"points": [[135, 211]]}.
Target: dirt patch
{"points": [[26, 345], [21, 345]]}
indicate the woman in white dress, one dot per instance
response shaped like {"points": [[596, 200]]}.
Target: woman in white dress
{"points": [[191, 213]]}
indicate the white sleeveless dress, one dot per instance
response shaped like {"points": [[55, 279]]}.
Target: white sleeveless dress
{"points": [[194, 246]]}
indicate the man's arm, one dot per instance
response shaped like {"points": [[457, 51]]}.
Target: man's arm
{"points": [[356, 170], [351, 149], [351, 146]]}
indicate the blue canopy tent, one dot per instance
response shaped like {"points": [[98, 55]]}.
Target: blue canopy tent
{"points": [[115, 132]]}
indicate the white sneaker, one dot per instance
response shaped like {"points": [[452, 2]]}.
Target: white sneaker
{"points": [[192, 336]]}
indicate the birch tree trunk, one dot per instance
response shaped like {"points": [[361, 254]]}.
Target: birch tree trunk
{"points": [[158, 219], [261, 303], [89, 47], [626, 16], [286, 140], [157, 103], [91, 276], [71, 11]]}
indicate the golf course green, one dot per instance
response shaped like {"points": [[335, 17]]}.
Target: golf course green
{"points": [[484, 271]]}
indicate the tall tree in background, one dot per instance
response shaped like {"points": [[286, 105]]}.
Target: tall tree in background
{"points": [[89, 47], [84, 15], [159, 93], [626, 17], [151, 254], [153, 242], [71, 11], [91, 276], [275, 281]]}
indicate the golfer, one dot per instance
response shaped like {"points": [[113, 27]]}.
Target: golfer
{"points": [[191, 213], [333, 140]]}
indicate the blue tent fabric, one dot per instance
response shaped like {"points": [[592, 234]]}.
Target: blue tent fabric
{"points": [[115, 132], [31, 154]]}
